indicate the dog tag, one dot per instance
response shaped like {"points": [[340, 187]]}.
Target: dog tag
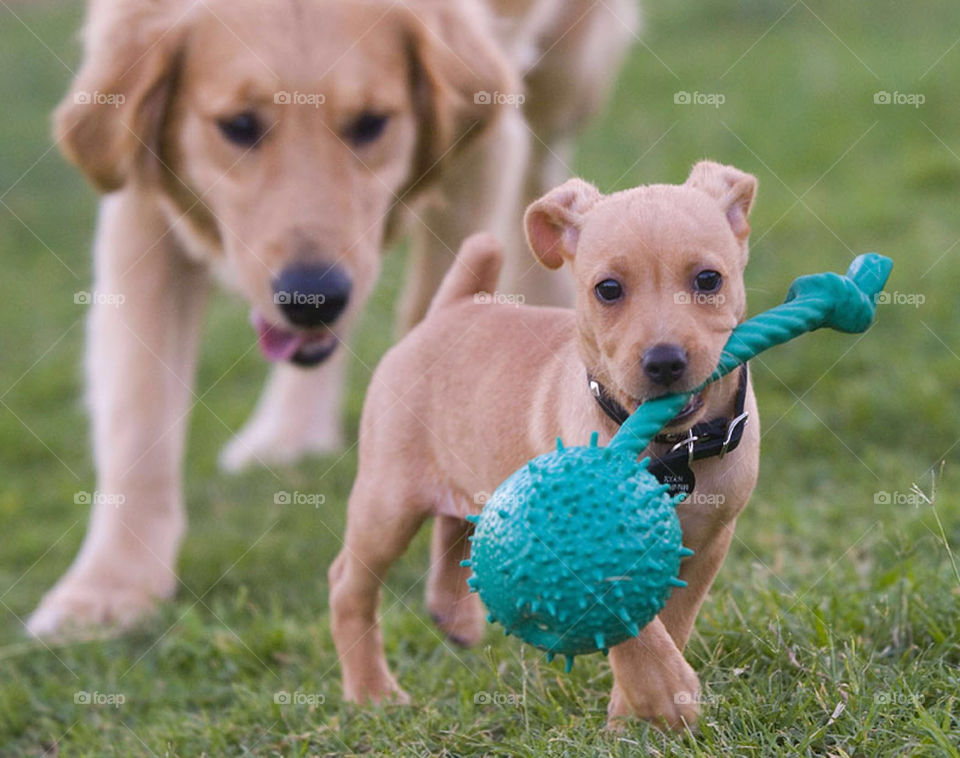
{"points": [[677, 474]]}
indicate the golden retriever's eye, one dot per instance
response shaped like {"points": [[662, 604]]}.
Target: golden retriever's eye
{"points": [[366, 128], [608, 291], [243, 129], [707, 280]]}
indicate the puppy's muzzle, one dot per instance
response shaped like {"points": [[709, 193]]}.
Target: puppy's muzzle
{"points": [[312, 294]]}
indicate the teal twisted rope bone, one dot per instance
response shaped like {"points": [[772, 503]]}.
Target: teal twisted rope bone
{"points": [[843, 303], [580, 548]]}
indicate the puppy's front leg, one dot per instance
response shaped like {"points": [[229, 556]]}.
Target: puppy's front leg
{"points": [[698, 572], [708, 529], [653, 681], [140, 361], [381, 521]]}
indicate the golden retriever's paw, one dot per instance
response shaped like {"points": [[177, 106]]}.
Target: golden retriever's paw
{"points": [[278, 445], [667, 701], [75, 609]]}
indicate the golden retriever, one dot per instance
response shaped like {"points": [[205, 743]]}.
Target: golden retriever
{"points": [[278, 147]]}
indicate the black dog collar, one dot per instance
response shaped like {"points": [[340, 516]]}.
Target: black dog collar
{"points": [[706, 439]]}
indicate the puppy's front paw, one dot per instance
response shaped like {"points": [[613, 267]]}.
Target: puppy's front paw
{"points": [[76, 607], [667, 696], [381, 688]]}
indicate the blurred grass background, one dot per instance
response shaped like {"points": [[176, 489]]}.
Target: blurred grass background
{"points": [[833, 627]]}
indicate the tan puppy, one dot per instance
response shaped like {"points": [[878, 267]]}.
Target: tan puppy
{"points": [[278, 147], [479, 388]]}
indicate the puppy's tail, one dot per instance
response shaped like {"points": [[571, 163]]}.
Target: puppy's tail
{"points": [[474, 272]]}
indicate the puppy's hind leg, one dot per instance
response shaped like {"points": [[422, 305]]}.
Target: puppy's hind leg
{"points": [[456, 611], [380, 525]]}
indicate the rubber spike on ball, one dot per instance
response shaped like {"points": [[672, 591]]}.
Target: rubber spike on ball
{"points": [[572, 502]]}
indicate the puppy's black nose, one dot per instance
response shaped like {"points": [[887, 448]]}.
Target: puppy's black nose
{"points": [[664, 363], [311, 294]]}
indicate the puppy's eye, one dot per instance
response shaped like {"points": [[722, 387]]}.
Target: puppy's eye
{"points": [[366, 128], [708, 281], [243, 129], [608, 291]]}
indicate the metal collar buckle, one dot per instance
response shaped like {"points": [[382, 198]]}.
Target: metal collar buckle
{"points": [[738, 421], [688, 441]]}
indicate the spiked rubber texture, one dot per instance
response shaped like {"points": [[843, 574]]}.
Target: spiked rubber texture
{"points": [[578, 550]]}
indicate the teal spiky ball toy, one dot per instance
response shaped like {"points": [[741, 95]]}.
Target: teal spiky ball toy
{"points": [[618, 590], [580, 549]]}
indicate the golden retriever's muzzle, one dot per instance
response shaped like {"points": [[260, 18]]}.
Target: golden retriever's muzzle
{"points": [[311, 297]]}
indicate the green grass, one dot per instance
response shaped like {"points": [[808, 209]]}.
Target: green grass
{"points": [[832, 629]]}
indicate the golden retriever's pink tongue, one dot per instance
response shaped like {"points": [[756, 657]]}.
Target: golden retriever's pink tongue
{"points": [[275, 342]]}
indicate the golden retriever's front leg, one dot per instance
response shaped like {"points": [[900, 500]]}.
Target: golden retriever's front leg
{"points": [[140, 360], [298, 414], [653, 681]]}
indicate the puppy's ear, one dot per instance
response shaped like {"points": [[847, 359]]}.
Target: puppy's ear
{"points": [[732, 188], [113, 112], [553, 222], [455, 68]]}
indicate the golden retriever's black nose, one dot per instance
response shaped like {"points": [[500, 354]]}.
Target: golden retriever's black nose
{"points": [[311, 294], [664, 363]]}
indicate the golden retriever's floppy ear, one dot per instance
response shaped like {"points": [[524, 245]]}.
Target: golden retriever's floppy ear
{"points": [[732, 188], [553, 222], [456, 69], [113, 112]]}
